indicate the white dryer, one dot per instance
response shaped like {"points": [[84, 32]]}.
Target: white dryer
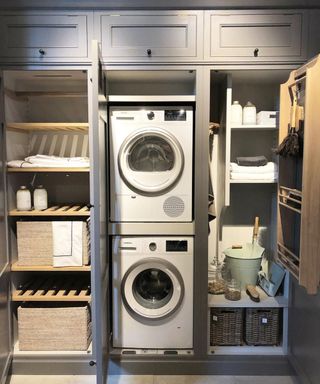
{"points": [[151, 164], [152, 292]]}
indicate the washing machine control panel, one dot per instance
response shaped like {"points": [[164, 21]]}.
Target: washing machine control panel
{"points": [[175, 115], [176, 246]]}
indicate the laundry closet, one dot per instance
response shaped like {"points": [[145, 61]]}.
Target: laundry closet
{"points": [[124, 118]]}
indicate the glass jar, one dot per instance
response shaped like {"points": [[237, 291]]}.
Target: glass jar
{"points": [[216, 284], [233, 290], [249, 114], [40, 198], [23, 197]]}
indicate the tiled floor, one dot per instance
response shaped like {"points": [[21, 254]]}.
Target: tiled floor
{"points": [[149, 379]]}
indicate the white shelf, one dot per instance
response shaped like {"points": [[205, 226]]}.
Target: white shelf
{"points": [[247, 350], [249, 181], [266, 301], [255, 127], [150, 98], [17, 352]]}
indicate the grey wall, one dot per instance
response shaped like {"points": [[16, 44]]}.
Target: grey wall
{"points": [[304, 334]]}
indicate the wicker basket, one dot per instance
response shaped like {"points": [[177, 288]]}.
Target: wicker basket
{"points": [[262, 326], [54, 327], [35, 243], [226, 326]]}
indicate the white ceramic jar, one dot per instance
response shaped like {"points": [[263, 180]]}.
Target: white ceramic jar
{"points": [[236, 113], [23, 199], [40, 198], [249, 114]]}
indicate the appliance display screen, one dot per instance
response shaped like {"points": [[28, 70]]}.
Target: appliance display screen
{"points": [[176, 245], [175, 115]]}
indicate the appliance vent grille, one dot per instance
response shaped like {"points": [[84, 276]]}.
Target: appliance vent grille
{"points": [[173, 206]]}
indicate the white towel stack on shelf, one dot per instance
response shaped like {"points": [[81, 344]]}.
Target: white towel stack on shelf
{"points": [[268, 172], [50, 161]]}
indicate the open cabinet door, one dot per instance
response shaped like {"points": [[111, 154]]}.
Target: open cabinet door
{"points": [[99, 214], [5, 322]]}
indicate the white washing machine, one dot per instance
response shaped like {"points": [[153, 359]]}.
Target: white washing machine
{"points": [[151, 164], [152, 292]]}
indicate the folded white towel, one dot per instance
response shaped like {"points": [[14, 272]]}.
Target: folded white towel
{"points": [[20, 164], [268, 168], [62, 239], [272, 176], [55, 161]]}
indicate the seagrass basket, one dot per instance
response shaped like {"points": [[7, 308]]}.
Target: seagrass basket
{"points": [[226, 326]]}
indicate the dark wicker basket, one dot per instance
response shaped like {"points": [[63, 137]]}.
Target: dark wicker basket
{"points": [[262, 326], [226, 326]]}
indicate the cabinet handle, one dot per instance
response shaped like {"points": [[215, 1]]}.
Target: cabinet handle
{"points": [[42, 52], [92, 363], [149, 52], [256, 52]]}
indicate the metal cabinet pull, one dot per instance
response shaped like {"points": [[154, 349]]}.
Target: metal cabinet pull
{"points": [[256, 52], [149, 52], [42, 52]]}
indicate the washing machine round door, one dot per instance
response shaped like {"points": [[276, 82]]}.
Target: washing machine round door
{"points": [[152, 289], [151, 161]]}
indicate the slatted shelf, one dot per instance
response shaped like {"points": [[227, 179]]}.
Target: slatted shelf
{"points": [[75, 127], [48, 170], [15, 267], [57, 210], [53, 289], [289, 260]]}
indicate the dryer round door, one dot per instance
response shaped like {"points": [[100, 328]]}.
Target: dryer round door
{"points": [[152, 289], [151, 161]]}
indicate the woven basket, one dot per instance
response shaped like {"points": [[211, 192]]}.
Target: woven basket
{"points": [[54, 327], [262, 326], [35, 243], [226, 326]]}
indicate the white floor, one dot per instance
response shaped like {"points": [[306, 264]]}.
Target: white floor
{"points": [[149, 379]]}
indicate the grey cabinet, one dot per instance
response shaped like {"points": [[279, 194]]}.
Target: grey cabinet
{"points": [[150, 36], [45, 37], [265, 36]]}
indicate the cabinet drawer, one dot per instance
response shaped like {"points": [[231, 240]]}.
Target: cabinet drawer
{"points": [[255, 36], [151, 37], [44, 37]]}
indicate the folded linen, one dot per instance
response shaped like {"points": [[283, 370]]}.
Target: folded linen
{"points": [[272, 176], [255, 161], [268, 168], [20, 164], [50, 161], [62, 239]]}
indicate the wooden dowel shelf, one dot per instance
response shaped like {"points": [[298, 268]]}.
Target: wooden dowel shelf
{"points": [[76, 127], [53, 290], [66, 210], [289, 207], [48, 170], [15, 267]]}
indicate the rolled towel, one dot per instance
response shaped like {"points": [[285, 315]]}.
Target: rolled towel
{"points": [[268, 168], [252, 161]]}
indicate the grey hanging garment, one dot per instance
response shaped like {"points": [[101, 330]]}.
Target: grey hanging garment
{"points": [[211, 203]]}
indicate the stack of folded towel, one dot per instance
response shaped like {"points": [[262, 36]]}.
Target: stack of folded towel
{"points": [[253, 168], [50, 161]]}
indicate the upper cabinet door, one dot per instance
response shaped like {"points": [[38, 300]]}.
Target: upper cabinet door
{"points": [[5, 328], [99, 230], [45, 37], [151, 36], [255, 36]]}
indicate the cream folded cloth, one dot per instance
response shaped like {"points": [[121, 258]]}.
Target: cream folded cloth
{"points": [[50, 161], [254, 176], [268, 168]]}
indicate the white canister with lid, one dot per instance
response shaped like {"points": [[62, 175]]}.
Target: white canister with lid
{"points": [[40, 198], [249, 114], [236, 113], [23, 199]]}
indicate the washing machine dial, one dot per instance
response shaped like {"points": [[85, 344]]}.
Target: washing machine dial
{"points": [[152, 246], [150, 115]]}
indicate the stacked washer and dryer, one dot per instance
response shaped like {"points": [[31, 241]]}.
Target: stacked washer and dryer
{"points": [[151, 180]]}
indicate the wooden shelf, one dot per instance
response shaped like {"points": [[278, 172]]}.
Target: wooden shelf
{"points": [[266, 301], [53, 289], [61, 354], [249, 181], [25, 94], [254, 127], [75, 127], [48, 170], [15, 267], [57, 210]]}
